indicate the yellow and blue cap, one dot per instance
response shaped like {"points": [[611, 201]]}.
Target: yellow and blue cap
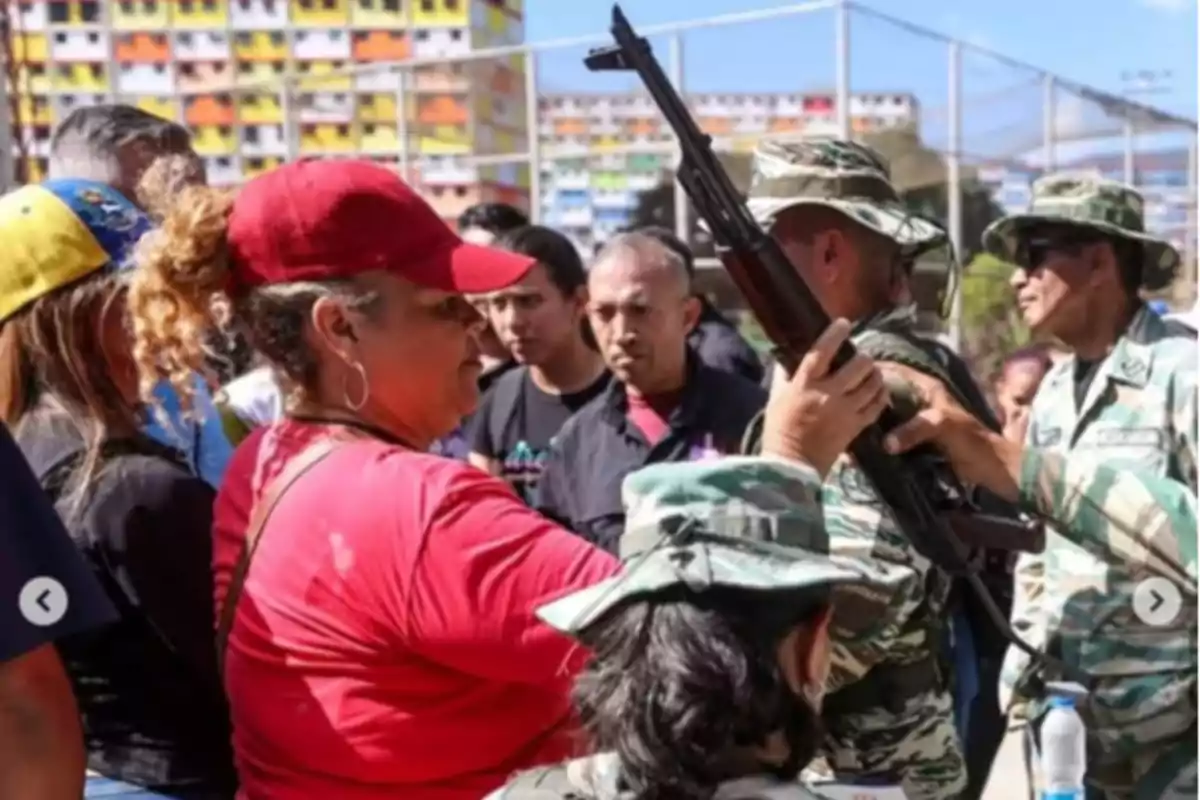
{"points": [[54, 233]]}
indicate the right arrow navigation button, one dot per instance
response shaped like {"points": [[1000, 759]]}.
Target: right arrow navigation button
{"points": [[1157, 602]]}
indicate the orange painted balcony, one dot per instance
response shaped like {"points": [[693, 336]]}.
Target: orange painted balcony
{"points": [[784, 125], [570, 127], [142, 48], [381, 46], [210, 110], [716, 125], [442, 111]]}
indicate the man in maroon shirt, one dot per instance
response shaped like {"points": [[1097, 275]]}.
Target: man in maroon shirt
{"points": [[664, 404]]}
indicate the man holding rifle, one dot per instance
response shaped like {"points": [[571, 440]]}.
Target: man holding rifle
{"points": [[890, 717]]}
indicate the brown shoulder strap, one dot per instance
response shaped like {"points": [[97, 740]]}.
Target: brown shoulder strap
{"points": [[302, 463]]}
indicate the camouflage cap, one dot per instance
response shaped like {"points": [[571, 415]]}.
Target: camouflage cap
{"points": [[840, 174], [1088, 201], [745, 522]]}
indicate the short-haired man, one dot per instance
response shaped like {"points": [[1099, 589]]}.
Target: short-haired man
{"points": [[663, 405], [1125, 396], [116, 145], [890, 715], [715, 339]]}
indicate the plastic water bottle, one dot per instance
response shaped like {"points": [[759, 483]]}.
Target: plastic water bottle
{"points": [[1064, 751]]}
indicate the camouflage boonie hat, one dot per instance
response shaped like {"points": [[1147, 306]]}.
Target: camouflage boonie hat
{"points": [[744, 522], [1088, 201], [840, 174]]}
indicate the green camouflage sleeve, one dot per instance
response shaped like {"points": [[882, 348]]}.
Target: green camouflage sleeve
{"points": [[876, 622], [1028, 616], [1116, 514]]}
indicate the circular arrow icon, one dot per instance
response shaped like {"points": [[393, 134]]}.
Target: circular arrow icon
{"points": [[43, 601], [1157, 602]]}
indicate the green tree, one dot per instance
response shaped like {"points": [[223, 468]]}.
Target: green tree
{"points": [[991, 322]]}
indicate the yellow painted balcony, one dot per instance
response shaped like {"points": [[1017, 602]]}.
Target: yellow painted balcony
{"points": [[377, 13], [260, 46], [36, 77], [260, 109], [320, 13], [440, 12], [253, 167], [35, 111], [141, 15], [158, 106], [444, 140], [79, 77], [315, 76], [379, 139], [30, 47], [260, 72], [190, 14], [377, 107], [326, 139], [36, 169], [213, 140]]}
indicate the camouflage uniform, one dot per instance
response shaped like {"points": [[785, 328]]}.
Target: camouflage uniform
{"points": [[1139, 412], [741, 523], [898, 629]]}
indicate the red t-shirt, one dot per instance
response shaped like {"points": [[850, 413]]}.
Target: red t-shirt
{"points": [[385, 644]]}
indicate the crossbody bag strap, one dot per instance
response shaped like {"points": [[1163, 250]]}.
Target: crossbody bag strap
{"points": [[263, 509]]}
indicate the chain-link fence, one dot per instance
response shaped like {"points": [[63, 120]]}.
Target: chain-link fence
{"points": [[470, 115]]}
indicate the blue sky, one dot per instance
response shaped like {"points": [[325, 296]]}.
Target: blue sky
{"points": [[1090, 41]]}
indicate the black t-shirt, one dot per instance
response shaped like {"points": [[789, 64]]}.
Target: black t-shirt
{"points": [[517, 421], [153, 708], [35, 552], [1085, 373]]}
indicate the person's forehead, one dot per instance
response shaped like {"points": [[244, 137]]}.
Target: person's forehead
{"points": [[535, 281]]}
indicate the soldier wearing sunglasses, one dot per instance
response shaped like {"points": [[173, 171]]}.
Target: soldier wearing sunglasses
{"points": [[1126, 397]]}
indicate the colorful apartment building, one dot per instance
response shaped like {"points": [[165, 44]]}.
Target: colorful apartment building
{"points": [[600, 150], [1160, 175], [216, 65]]}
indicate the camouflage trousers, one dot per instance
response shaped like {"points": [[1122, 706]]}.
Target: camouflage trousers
{"points": [[1165, 772], [917, 747]]}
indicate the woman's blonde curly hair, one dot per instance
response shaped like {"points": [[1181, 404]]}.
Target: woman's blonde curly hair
{"points": [[180, 291], [181, 277]]}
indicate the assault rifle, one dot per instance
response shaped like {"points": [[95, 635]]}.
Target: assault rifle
{"points": [[792, 319]]}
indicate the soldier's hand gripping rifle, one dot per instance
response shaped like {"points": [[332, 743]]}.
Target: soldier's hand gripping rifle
{"points": [[790, 314]]}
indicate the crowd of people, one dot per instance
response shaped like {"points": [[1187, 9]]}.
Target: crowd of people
{"points": [[312, 496]]}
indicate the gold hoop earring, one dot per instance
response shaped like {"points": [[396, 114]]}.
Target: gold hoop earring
{"points": [[361, 371]]}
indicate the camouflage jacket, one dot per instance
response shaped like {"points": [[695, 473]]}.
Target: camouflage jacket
{"points": [[597, 778], [1076, 602], [900, 621]]}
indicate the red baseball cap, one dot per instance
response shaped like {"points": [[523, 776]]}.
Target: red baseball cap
{"points": [[315, 220]]}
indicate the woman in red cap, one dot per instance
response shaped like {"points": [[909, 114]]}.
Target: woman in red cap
{"points": [[375, 602], [383, 637]]}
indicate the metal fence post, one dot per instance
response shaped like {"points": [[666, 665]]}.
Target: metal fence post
{"points": [[1189, 243], [287, 106], [682, 222], [954, 196], [842, 67], [402, 131], [1130, 169], [533, 136], [1049, 122]]}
